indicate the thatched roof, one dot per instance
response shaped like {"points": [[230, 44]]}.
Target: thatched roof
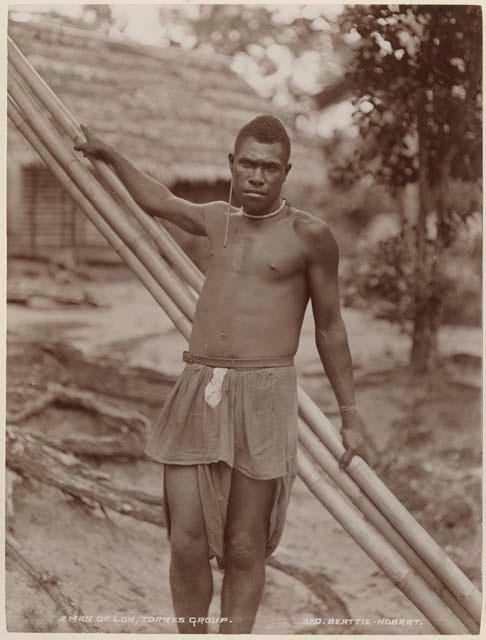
{"points": [[174, 112]]}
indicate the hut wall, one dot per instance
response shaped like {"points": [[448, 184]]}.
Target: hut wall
{"points": [[43, 217]]}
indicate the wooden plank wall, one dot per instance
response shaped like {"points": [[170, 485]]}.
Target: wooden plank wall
{"points": [[45, 217]]}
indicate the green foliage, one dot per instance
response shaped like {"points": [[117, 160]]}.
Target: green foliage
{"points": [[416, 70], [381, 278]]}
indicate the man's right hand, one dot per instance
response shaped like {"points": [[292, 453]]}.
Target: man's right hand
{"points": [[94, 145]]}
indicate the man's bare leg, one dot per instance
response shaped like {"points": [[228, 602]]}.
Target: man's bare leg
{"points": [[191, 579], [248, 517]]}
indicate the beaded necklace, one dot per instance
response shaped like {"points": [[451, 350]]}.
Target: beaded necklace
{"points": [[267, 215]]}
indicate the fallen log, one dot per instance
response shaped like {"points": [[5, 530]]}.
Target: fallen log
{"points": [[99, 446], [33, 364], [27, 455], [32, 408], [112, 377], [130, 426], [48, 582], [29, 294], [124, 420]]}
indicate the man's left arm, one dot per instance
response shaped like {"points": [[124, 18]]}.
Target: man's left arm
{"points": [[331, 336]]}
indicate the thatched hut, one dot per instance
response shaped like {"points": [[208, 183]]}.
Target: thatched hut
{"points": [[174, 112]]}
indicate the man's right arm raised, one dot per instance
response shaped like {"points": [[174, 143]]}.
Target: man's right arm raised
{"points": [[152, 196]]}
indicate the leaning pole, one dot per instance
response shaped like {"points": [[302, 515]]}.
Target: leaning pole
{"points": [[432, 573]]}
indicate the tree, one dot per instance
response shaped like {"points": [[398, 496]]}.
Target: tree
{"points": [[416, 83]]}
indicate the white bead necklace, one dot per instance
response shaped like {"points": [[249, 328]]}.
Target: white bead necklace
{"points": [[267, 215]]}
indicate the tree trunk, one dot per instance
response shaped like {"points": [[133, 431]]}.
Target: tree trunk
{"points": [[109, 377], [440, 245], [428, 293], [424, 342]]}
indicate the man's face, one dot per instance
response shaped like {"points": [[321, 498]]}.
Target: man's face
{"points": [[259, 171]]}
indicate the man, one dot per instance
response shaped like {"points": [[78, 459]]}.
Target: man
{"points": [[227, 435]]}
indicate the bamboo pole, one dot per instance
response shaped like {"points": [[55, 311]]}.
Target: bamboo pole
{"points": [[100, 199], [160, 296], [379, 550], [425, 546], [329, 465], [67, 122], [322, 416]]}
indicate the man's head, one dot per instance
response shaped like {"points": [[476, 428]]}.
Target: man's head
{"points": [[267, 129], [260, 163]]}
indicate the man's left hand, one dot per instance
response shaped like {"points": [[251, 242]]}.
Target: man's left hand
{"points": [[354, 441]]}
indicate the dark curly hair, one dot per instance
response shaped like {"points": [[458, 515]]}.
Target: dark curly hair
{"points": [[267, 129]]}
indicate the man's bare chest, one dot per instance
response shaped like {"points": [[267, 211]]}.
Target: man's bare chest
{"points": [[269, 256]]}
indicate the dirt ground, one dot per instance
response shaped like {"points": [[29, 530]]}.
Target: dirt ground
{"points": [[428, 442]]}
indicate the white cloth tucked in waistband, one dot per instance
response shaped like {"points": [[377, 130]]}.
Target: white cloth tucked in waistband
{"points": [[213, 391]]}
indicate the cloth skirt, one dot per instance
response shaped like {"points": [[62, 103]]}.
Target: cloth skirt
{"points": [[218, 419]]}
